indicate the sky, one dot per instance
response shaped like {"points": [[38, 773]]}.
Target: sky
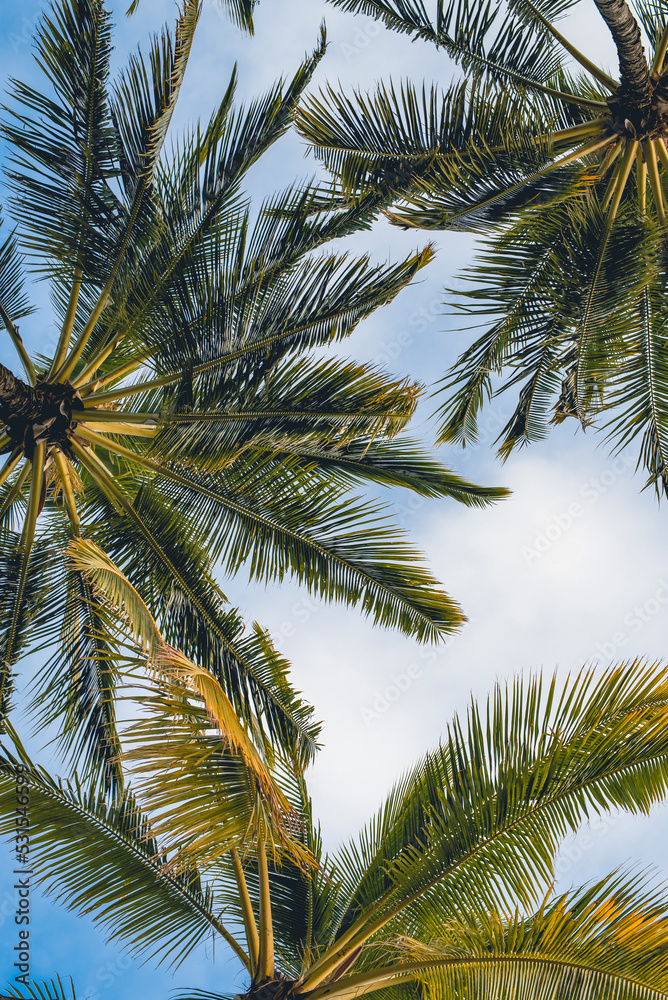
{"points": [[571, 570]]}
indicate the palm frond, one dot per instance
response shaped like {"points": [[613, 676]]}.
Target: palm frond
{"points": [[14, 303], [529, 421], [393, 463], [201, 186], [267, 308], [77, 687], [306, 400], [609, 939], [465, 155], [20, 606], [207, 787], [141, 109], [565, 290], [170, 568], [515, 45], [63, 168], [273, 523], [480, 819], [651, 15], [181, 677], [86, 846], [42, 989], [639, 388]]}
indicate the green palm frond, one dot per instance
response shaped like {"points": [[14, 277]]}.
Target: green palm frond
{"points": [[475, 32], [273, 520], [182, 680], [13, 495], [77, 687], [521, 295], [84, 842], [548, 327], [459, 159], [43, 989], [640, 388], [14, 303], [475, 194], [142, 103], [306, 216], [163, 559], [514, 45], [394, 463], [200, 189], [650, 16], [529, 421], [448, 891], [24, 590], [62, 173], [516, 143], [607, 940], [409, 16], [395, 137], [309, 401], [240, 12], [481, 818], [264, 308]]}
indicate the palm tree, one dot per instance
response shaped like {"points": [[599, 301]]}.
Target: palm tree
{"points": [[183, 422], [563, 173], [449, 889]]}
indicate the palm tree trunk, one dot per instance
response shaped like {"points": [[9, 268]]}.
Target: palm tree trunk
{"points": [[16, 398], [633, 67]]}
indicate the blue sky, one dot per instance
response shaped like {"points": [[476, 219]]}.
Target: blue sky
{"points": [[544, 587]]}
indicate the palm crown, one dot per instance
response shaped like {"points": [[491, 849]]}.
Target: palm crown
{"points": [[563, 173], [181, 423], [447, 890]]}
